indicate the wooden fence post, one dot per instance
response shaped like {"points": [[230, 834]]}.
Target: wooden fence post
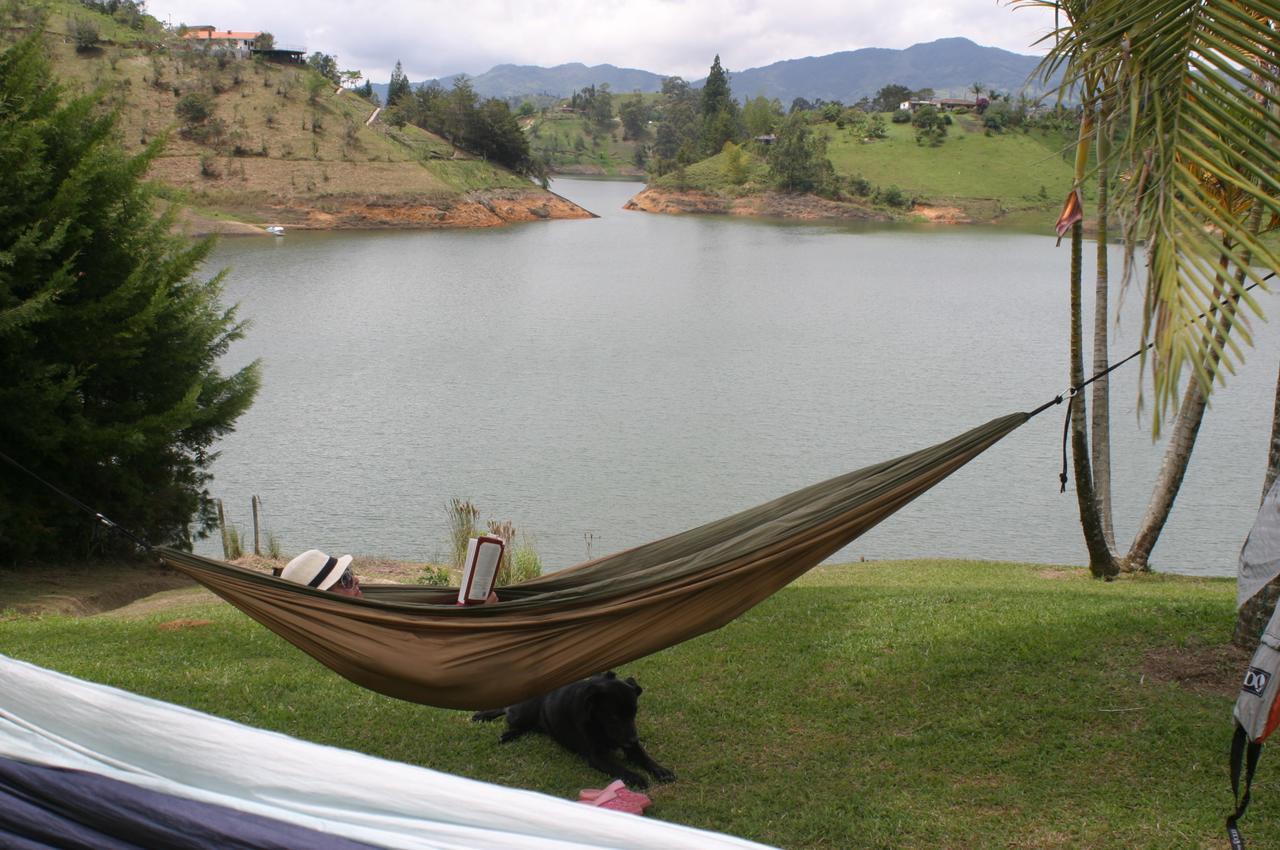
{"points": [[256, 504], [222, 527]]}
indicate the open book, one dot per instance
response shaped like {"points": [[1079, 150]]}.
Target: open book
{"points": [[480, 569]]}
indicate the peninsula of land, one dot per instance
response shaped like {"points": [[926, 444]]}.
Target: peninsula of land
{"points": [[249, 138]]}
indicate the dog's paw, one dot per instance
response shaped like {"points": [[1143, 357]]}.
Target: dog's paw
{"points": [[664, 774], [634, 780]]}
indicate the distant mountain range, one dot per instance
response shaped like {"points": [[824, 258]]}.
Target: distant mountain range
{"points": [[949, 66], [518, 81]]}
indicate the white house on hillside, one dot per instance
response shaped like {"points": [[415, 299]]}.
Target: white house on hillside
{"points": [[944, 103], [239, 43]]}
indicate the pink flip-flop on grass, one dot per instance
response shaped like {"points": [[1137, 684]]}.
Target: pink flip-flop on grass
{"points": [[615, 796]]}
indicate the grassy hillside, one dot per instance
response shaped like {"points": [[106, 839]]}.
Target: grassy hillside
{"points": [[714, 175], [918, 704], [1005, 172], [278, 139], [565, 141], [1012, 176]]}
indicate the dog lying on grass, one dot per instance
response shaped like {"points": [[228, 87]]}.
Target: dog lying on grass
{"points": [[593, 718]]}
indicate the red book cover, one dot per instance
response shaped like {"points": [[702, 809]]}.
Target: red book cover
{"points": [[480, 569]]}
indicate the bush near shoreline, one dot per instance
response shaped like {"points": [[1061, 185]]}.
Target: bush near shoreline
{"points": [[886, 704]]}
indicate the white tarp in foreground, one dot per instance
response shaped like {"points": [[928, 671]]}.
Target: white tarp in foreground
{"points": [[50, 719]]}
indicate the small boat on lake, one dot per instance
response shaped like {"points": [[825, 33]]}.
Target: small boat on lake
{"points": [[275, 229]]}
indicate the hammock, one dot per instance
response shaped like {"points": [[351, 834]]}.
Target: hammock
{"points": [[414, 643]]}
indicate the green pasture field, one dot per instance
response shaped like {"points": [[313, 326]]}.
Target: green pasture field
{"points": [[970, 167], [910, 704]]}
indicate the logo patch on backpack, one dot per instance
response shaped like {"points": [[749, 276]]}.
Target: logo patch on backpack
{"points": [[1255, 681]]}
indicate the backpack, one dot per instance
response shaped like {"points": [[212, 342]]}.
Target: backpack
{"points": [[1257, 714]]}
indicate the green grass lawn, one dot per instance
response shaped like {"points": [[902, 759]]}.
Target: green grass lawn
{"points": [[1009, 168], [929, 704]]}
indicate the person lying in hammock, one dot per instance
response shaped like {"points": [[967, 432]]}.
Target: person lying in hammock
{"points": [[316, 569]]}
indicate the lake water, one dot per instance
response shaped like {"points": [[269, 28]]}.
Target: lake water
{"points": [[607, 382]]}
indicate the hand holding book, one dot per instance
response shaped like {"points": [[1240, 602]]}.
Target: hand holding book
{"points": [[480, 570]]}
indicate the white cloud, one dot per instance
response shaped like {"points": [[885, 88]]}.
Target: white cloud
{"points": [[433, 38]]}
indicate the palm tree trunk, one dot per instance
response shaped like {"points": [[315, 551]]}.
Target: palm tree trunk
{"points": [[1101, 562], [1173, 468], [1273, 456], [1101, 420], [1182, 439], [1256, 611]]}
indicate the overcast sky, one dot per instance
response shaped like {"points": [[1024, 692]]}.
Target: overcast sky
{"points": [[434, 38]]}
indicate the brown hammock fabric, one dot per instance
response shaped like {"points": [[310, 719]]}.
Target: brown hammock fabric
{"points": [[413, 643]]}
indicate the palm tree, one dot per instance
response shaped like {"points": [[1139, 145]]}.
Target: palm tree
{"points": [[1194, 85], [1092, 81], [1202, 76]]}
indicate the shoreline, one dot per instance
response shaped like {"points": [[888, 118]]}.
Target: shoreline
{"points": [[764, 205], [812, 208], [131, 586], [474, 210]]}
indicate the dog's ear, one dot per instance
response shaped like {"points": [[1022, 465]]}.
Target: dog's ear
{"points": [[635, 685], [594, 692]]}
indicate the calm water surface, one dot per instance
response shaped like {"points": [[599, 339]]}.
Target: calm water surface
{"points": [[612, 381]]}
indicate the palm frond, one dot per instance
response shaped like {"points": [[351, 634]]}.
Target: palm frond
{"points": [[1200, 82]]}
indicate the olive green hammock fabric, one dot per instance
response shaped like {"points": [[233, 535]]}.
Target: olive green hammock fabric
{"points": [[414, 643]]}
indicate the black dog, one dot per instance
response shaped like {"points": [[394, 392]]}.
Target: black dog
{"points": [[592, 718]]}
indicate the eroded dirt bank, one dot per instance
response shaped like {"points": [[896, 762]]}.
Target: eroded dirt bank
{"points": [[768, 205], [355, 212]]}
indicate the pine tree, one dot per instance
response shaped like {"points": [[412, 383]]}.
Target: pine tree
{"points": [[716, 96], [398, 89], [109, 344], [721, 118]]}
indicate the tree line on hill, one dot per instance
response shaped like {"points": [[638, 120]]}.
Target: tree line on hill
{"points": [[689, 125], [130, 13], [484, 127], [682, 125], [679, 127]]}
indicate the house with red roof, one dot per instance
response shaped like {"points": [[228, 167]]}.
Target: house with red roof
{"points": [[230, 41]]}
